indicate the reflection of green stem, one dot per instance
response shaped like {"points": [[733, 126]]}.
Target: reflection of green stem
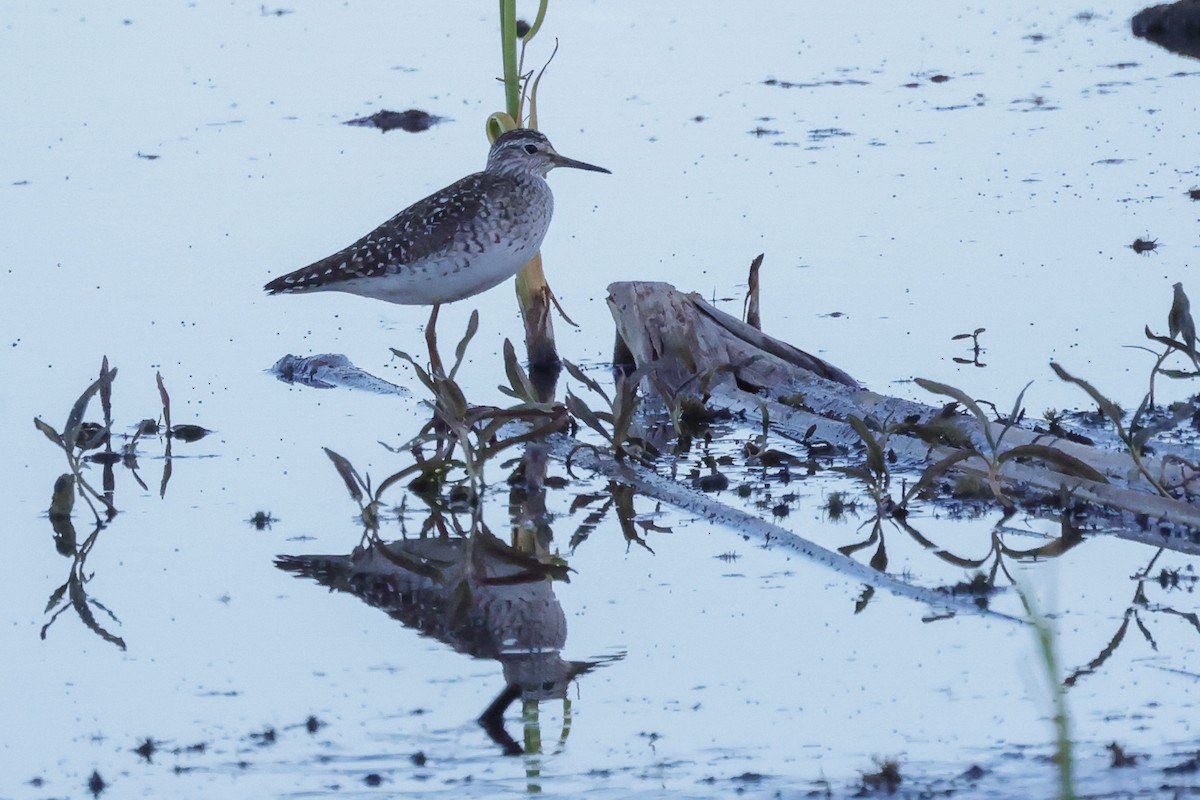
{"points": [[508, 51], [533, 745]]}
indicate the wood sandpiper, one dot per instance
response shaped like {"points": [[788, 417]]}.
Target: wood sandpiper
{"points": [[456, 243]]}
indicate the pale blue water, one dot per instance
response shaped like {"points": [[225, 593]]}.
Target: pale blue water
{"points": [[947, 207]]}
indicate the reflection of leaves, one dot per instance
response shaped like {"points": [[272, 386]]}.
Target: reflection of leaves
{"points": [[623, 494], [531, 568], [61, 504], [55, 597], [1104, 655], [421, 567], [592, 520], [73, 595], [83, 607], [860, 604], [876, 532], [879, 561]]}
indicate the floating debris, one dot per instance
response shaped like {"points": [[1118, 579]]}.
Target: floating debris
{"points": [[262, 520], [329, 370], [413, 120], [189, 433], [1174, 27], [814, 84], [1140, 245], [96, 784]]}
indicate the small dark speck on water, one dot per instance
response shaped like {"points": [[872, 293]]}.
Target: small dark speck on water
{"points": [[1143, 245], [418, 758], [96, 784], [147, 156], [374, 779], [1194, 194], [146, 749], [413, 120], [274, 12], [940, 78]]}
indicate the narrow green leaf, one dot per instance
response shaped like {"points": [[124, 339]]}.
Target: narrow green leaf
{"points": [[349, 476], [166, 400], [965, 400], [517, 378], [106, 392], [75, 418], [935, 471], [460, 352], [578, 374], [537, 21], [1107, 407], [1065, 462], [51, 434], [876, 463], [585, 415]]}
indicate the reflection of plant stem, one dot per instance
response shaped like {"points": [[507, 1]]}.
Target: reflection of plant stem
{"points": [[1049, 659]]}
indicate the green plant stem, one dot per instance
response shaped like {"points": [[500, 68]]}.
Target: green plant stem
{"points": [[1062, 721], [508, 52]]}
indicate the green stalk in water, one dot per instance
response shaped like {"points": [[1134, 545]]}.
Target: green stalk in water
{"points": [[1048, 655]]}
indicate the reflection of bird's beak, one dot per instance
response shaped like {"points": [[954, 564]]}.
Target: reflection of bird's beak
{"points": [[562, 161]]}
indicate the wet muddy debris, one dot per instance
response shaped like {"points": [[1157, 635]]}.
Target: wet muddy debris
{"points": [[1141, 245], [1172, 26], [414, 120]]}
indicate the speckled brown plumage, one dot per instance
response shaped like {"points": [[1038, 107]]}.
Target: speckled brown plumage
{"points": [[457, 242]]}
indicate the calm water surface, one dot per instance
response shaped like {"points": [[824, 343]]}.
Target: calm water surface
{"points": [[163, 160]]}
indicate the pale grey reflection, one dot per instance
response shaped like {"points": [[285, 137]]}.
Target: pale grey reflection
{"points": [[480, 595]]}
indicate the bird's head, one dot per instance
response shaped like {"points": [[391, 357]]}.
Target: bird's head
{"points": [[527, 151]]}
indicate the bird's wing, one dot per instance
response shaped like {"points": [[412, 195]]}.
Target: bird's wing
{"points": [[422, 230]]}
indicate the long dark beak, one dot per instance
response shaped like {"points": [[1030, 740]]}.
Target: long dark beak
{"points": [[563, 161]]}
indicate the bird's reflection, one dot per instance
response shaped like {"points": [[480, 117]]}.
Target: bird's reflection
{"points": [[475, 592]]}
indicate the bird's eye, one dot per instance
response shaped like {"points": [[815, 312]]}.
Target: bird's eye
{"points": [[531, 148]]}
